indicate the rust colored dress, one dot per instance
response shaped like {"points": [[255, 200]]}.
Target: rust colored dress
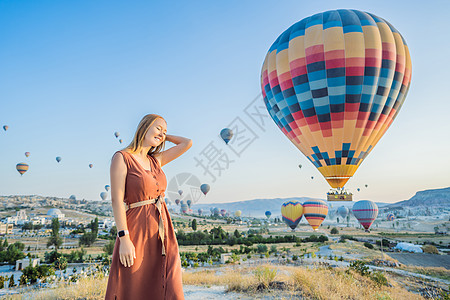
{"points": [[152, 276]]}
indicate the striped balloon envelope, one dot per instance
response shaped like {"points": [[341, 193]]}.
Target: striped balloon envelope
{"points": [[366, 212], [333, 83], [315, 212], [22, 168], [390, 217], [292, 212]]}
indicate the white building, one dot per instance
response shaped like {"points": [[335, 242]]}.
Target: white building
{"points": [[23, 263], [55, 213]]}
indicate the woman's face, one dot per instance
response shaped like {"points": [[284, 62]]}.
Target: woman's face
{"points": [[156, 134]]}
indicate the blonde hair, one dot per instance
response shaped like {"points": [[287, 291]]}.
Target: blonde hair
{"points": [[141, 131]]}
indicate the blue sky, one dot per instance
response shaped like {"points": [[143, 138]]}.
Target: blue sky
{"points": [[74, 72]]}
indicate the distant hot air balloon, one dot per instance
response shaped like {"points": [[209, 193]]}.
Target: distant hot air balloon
{"points": [[107, 187], [22, 168], [366, 212], [182, 202], [189, 203], [312, 177], [238, 213], [216, 211], [333, 83], [268, 214], [91, 165], [103, 195], [73, 197], [223, 212], [116, 134], [390, 217], [180, 192], [177, 201], [184, 208], [166, 200], [200, 211], [58, 158], [205, 188], [120, 141], [343, 211], [226, 134], [292, 212], [27, 154], [358, 189], [366, 185], [315, 212], [300, 166], [5, 127]]}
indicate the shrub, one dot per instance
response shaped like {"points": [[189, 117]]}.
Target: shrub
{"points": [[368, 245], [430, 249], [261, 248], [265, 275], [294, 257], [360, 267], [379, 278], [334, 230]]}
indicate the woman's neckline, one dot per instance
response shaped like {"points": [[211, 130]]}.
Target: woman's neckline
{"points": [[151, 169]]}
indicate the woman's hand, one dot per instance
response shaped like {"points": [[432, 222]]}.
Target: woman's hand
{"points": [[127, 253]]}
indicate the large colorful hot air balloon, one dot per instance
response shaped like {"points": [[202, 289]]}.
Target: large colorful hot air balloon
{"points": [[315, 212], [226, 134], [343, 211], [5, 127], [27, 154], [177, 201], [189, 203], [58, 158], [238, 213], [268, 214], [366, 212], [390, 217], [333, 83], [22, 168], [103, 195], [205, 188], [292, 212], [107, 187]]}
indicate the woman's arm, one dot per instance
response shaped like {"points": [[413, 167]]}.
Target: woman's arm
{"points": [[182, 145], [118, 173]]}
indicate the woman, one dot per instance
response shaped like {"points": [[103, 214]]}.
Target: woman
{"points": [[146, 262]]}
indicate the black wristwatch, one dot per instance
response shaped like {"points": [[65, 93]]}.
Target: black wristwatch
{"points": [[122, 233]]}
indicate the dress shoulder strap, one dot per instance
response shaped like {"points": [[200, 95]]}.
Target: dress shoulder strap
{"points": [[126, 158]]}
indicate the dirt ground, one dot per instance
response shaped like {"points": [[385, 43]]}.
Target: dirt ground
{"points": [[422, 259]]}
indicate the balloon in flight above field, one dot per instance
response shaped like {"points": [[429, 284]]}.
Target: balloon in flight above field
{"points": [[27, 154], [58, 158], [223, 212], [315, 212], [180, 192], [333, 83], [343, 211], [268, 214], [91, 165], [216, 211], [200, 211], [177, 201], [184, 208], [390, 217], [116, 134], [205, 188], [365, 211], [73, 197], [238, 213], [107, 187], [292, 212], [22, 168], [103, 195], [5, 127], [226, 134], [189, 203]]}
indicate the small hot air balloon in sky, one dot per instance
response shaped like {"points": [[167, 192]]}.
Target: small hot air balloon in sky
{"points": [[205, 188], [180, 192], [312, 177], [5, 127], [189, 203], [333, 83], [91, 165], [58, 158], [226, 134], [390, 217], [166, 200], [103, 195], [200, 211], [366, 185], [223, 212], [177, 201], [22, 168], [315, 212], [238, 213], [27, 154], [116, 134], [73, 197], [358, 189], [184, 208], [268, 214], [120, 141], [343, 211], [292, 212], [366, 212], [107, 187], [300, 166]]}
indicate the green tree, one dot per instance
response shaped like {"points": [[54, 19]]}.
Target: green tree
{"points": [[194, 224], [109, 248], [55, 239], [334, 230], [237, 234], [11, 281]]}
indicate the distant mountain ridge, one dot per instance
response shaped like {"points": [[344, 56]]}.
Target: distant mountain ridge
{"points": [[430, 198]]}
